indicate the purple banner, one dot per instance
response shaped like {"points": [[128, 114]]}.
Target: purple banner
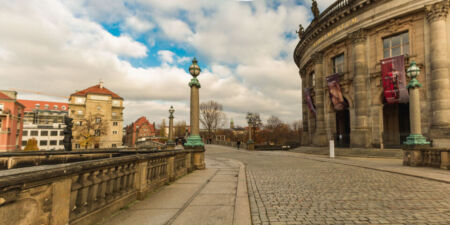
{"points": [[309, 102], [336, 96]]}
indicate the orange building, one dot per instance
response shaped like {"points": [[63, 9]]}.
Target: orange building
{"points": [[141, 130], [11, 121]]}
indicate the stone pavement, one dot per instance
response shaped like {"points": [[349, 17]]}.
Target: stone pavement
{"points": [[217, 195], [293, 188]]}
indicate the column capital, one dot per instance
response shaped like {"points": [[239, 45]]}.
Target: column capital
{"points": [[317, 57], [358, 36], [437, 11]]}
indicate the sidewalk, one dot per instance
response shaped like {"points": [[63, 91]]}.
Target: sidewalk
{"points": [[216, 195], [381, 164]]}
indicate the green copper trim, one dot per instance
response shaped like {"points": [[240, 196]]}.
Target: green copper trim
{"points": [[413, 83], [416, 139], [194, 140], [194, 82]]}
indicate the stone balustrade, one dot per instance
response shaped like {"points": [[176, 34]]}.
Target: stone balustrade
{"points": [[426, 156], [86, 192]]}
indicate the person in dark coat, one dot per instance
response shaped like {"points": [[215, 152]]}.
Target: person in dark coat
{"points": [[238, 144]]}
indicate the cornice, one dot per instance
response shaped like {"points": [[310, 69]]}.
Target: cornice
{"points": [[437, 11]]}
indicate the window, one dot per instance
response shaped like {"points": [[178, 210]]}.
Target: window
{"points": [[396, 45], [115, 123], [114, 146], [80, 112], [24, 143], [61, 133], [54, 133], [79, 100], [46, 106], [77, 146], [44, 132], [97, 133], [34, 133], [115, 132], [1, 107], [53, 142], [43, 142], [338, 64], [37, 106], [312, 80], [98, 120], [25, 132], [55, 107]]}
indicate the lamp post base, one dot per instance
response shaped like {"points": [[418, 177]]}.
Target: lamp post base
{"points": [[416, 139], [193, 141]]}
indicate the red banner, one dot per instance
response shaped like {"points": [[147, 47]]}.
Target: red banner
{"points": [[336, 96], [309, 102], [394, 80]]}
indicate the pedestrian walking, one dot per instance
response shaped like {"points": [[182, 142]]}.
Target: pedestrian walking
{"points": [[238, 144]]}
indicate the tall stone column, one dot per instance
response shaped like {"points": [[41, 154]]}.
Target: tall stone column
{"points": [[320, 136], [194, 139], [359, 136], [439, 84], [170, 142], [305, 118]]}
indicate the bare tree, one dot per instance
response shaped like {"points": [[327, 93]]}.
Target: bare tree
{"points": [[211, 116], [180, 129], [162, 128], [88, 132], [254, 120], [273, 123]]}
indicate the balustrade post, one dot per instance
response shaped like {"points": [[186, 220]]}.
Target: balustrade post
{"points": [[171, 168], [199, 160], [101, 194], [141, 179], [61, 202], [92, 194], [188, 162]]}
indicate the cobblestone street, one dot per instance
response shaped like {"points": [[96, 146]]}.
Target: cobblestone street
{"points": [[285, 189]]}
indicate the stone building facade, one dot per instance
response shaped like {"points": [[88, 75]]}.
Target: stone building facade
{"points": [[139, 131], [351, 40], [97, 105]]}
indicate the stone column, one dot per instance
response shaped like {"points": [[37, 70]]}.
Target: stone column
{"points": [[194, 139], [439, 83], [305, 118], [320, 137], [250, 142], [170, 142], [360, 136]]}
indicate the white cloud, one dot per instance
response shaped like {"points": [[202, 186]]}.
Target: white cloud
{"points": [[138, 25], [175, 29], [166, 56]]}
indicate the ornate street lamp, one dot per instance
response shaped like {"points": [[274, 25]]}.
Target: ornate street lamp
{"points": [[415, 138], [170, 142], [194, 139]]}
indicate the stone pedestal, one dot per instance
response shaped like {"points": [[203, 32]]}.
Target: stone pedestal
{"points": [[199, 160], [250, 145]]}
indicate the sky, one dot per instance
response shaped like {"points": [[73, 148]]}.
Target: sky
{"points": [[142, 49]]}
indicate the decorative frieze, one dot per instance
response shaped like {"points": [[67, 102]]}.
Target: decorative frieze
{"points": [[317, 58], [437, 11], [357, 37]]}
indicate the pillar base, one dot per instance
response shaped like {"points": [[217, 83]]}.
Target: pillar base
{"points": [[250, 145], [416, 139], [441, 137], [360, 138], [193, 141]]}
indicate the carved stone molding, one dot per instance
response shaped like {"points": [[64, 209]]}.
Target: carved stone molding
{"points": [[357, 37], [437, 11], [317, 57]]}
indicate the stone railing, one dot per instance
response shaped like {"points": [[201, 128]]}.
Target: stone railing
{"points": [[426, 156], [86, 192]]}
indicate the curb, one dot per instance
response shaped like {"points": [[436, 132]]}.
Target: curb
{"points": [[242, 205]]}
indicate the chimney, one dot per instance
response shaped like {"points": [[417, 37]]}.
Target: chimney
{"points": [[101, 84]]}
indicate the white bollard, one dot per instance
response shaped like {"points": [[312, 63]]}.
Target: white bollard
{"points": [[331, 148]]}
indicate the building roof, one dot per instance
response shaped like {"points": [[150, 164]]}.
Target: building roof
{"points": [[5, 97], [96, 89], [32, 104]]}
